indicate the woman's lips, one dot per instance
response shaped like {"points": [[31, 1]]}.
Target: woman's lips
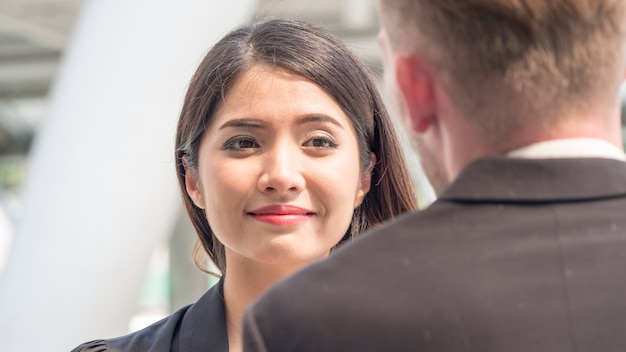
{"points": [[282, 215]]}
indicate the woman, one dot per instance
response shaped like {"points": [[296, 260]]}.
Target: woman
{"points": [[284, 150]]}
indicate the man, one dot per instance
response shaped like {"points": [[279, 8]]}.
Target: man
{"points": [[514, 108]]}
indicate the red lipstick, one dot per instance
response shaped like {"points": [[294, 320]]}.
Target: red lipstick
{"points": [[282, 215]]}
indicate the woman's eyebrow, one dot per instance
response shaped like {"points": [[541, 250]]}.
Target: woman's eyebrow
{"points": [[243, 123], [318, 118], [255, 123]]}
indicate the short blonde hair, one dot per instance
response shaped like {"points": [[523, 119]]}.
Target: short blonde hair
{"points": [[508, 56]]}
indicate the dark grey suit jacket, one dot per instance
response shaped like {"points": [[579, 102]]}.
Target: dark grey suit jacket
{"points": [[197, 327], [516, 255]]}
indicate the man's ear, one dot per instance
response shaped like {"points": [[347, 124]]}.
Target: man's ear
{"points": [[192, 186], [415, 82]]}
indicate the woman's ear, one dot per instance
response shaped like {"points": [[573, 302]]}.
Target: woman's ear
{"points": [[192, 186], [415, 81], [366, 181]]}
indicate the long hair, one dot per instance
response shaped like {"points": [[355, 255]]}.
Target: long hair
{"points": [[314, 53]]}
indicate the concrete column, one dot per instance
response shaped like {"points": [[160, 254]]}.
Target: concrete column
{"points": [[358, 14], [101, 188]]}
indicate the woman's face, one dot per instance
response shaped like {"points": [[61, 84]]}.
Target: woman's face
{"points": [[278, 170]]}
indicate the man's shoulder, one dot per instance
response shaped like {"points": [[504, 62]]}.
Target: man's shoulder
{"points": [[322, 301], [358, 263]]}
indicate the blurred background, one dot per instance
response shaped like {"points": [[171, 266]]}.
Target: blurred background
{"points": [[93, 239]]}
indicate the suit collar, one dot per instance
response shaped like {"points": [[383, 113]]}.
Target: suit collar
{"points": [[204, 326], [538, 180]]}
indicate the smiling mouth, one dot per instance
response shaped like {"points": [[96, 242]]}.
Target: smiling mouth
{"points": [[283, 219], [282, 215]]}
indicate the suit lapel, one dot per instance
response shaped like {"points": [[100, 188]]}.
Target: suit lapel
{"points": [[204, 325]]}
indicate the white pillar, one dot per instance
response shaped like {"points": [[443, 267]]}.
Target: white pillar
{"points": [[6, 236], [101, 188], [359, 14]]}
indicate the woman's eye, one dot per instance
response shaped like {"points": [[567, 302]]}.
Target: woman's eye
{"points": [[320, 142], [240, 143]]}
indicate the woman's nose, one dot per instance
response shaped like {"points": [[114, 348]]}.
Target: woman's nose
{"points": [[282, 172]]}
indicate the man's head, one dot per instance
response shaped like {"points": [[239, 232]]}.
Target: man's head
{"points": [[513, 71]]}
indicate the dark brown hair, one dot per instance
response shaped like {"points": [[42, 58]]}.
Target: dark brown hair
{"points": [[314, 53]]}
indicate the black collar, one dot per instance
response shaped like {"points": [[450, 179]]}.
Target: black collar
{"points": [[204, 326], [538, 180]]}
